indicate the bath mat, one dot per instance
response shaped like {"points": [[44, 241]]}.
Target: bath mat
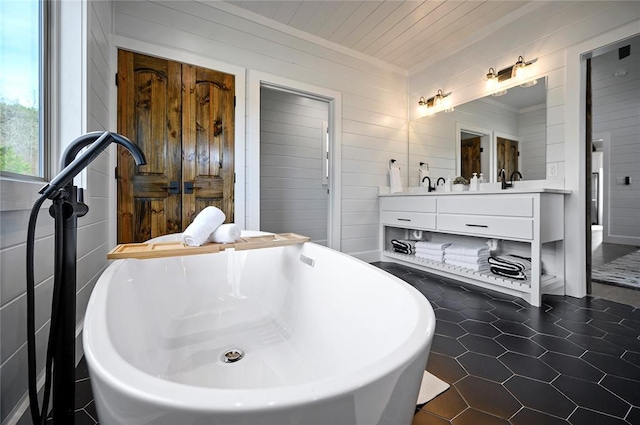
{"points": [[430, 387], [623, 271]]}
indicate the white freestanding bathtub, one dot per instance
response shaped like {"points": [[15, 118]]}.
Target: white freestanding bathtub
{"points": [[322, 338]]}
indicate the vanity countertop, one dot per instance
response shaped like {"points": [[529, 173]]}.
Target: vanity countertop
{"points": [[422, 192]]}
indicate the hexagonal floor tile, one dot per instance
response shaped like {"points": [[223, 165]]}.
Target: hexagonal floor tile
{"points": [[480, 328], [476, 417], [612, 365], [482, 366], [529, 367], [572, 366], [540, 396], [520, 345], [447, 346], [426, 418], [591, 395], [531, 417], [449, 329], [445, 368], [513, 328], [628, 389], [558, 345], [481, 345], [584, 416], [479, 315], [488, 397], [447, 405], [449, 315], [596, 344]]}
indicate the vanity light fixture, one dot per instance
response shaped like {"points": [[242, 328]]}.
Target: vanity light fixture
{"points": [[517, 71], [493, 83], [437, 103]]}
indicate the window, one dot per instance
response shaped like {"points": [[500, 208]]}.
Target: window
{"points": [[22, 89]]}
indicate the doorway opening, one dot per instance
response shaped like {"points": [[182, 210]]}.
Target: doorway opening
{"points": [[294, 163], [612, 208]]}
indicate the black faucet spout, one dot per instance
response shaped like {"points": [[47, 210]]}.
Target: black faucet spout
{"points": [[518, 173], [438, 181], [71, 164], [503, 178], [429, 187]]}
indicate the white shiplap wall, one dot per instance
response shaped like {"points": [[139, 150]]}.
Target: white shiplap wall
{"points": [[532, 132], [374, 97], [547, 33], [293, 197], [93, 229], [616, 110]]}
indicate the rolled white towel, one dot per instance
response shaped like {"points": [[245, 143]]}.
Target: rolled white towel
{"points": [[202, 227], [226, 233]]}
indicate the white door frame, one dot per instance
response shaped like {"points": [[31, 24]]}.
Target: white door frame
{"points": [[575, 154], [239, 73], [255, 80]]}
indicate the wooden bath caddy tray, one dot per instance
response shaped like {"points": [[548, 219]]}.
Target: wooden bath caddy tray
{"points": [[143, 251]]}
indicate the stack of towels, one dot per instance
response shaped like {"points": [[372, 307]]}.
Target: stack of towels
{"points": [[473, 257], [403, 246], [208, 227], [433, 251], [511, 266]]}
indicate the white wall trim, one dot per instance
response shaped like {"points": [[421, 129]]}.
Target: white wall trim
{"points": [[120, 42], [255, 80], [575, 204]]}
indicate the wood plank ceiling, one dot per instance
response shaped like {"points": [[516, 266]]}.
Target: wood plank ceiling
{"points": [[406, 34]]}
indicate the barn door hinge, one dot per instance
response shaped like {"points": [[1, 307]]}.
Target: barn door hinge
{"points": [[116, 172], [234, 177], [116, 78], [518, 153], [481, 150], [234, 101]]}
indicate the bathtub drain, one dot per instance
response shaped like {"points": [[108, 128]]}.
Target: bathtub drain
{"points": [[232, 356]]}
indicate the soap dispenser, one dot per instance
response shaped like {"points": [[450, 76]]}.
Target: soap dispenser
{"points": [[473, 184], [481, 178], [447, 184]]}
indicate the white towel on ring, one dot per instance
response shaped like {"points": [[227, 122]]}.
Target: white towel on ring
{"points": [[226, 233], [198, 232], [395, 183]]}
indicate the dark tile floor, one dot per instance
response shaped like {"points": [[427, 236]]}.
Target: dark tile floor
{"points": [[85, 407], [572, 361]]}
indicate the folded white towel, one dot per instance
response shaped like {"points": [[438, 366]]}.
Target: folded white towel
{"points": [[226, 233], [432, 245], [395, 182], [430, 251], [464, 249], [436, 258], [202, 226], [473, 259], [475, 267]]}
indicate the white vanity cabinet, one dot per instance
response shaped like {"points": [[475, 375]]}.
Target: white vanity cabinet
{"points": [[525, 223]]}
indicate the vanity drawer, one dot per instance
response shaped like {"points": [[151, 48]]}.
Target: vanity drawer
{"points": [[410, 220], [408, 203], [505, 205], [494, 227]]}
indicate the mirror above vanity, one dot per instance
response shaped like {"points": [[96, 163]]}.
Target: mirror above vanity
{"points": [[484, 136]]}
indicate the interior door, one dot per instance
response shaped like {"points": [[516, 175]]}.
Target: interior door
{"points": [[182, 117], [470, 155], [506, 156]]}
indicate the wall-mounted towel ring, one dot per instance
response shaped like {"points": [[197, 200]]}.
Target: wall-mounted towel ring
{"points": [[391, 161]]}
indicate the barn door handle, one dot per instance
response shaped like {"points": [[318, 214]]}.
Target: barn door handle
{"points": [[188, 188], [174, 188]]}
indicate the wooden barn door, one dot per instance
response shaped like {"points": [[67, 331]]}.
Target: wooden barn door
{"points": [[182, 117], [470, 155], [507, 156]]}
